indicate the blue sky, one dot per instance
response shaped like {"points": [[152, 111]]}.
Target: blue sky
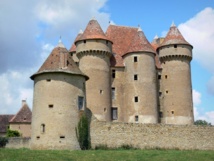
{"points": [[30, 29]]}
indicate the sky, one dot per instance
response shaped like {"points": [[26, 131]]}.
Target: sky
{"points": [[29, 30]]}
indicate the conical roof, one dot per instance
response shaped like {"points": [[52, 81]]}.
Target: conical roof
{"points": [[93, 31], [24, 114], [174, 37], [73, 47], [140, 43], [59, 60]]}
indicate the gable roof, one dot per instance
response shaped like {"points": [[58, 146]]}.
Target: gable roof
{"points": [[23, 115], [4, 122], [59, 60]]}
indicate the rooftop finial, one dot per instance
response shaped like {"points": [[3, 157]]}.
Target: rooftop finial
{"points": [[156, 36], [60, 44], [93, 18], [80, 32], [173, 24], [139, 29]]}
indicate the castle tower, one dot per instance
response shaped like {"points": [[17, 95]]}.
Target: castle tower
{"points": [[175, 56], [58, 97], [94, 51], [140, 87]]}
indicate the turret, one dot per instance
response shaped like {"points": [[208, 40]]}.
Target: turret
{"points": [[140, 87], [175, 55], [59, 96], [94, 51]]}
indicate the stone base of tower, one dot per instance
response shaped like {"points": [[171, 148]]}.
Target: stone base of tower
{"points": [[178, 120]]}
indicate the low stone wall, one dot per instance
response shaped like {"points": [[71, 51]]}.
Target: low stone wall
{"points": [[152, 136], [18, 142]]}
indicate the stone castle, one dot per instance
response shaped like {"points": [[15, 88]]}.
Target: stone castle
{"points": [[119, 76]]}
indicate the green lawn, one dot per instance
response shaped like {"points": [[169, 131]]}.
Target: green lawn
{"points": [[106, 155]]}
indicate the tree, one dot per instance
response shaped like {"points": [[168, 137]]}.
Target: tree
{"points": [[3, 142], [202, 122], [82, 132], [12, 133]]}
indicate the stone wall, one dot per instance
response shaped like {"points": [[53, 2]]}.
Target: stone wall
{"points": [[18, 142], [152, 135]]}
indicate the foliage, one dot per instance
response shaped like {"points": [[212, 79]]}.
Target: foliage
{"points": [[122, 147], [82, 132], [101, 147], [105, 155], [12, 133], [202, 122], [3, 142]]}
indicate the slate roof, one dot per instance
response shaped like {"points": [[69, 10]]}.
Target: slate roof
{"points": [[174, 37], [59, 60], [24, 115], [4, 122]]}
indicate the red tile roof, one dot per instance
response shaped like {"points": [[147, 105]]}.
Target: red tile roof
{"points": [[23, 116], [121, 36], [174, 37], [4, 122], [73, 47], [140, 44], [92, 31], [59, 61]]}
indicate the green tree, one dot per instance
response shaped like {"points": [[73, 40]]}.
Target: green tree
{"points": [[12, 133], [202, 122], [82, 132], [3, 142]]}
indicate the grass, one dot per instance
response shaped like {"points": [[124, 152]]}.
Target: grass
{"points": [[105, 155]]}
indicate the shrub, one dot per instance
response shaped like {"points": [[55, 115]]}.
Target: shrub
{"points": [[102, 147], [82, 132], [12, 133], [3, 142]]}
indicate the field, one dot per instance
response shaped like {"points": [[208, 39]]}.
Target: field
{"points": [[105, 155]]}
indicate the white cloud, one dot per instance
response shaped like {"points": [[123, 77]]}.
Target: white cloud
{"points": [[196, 97], [28, 29]]}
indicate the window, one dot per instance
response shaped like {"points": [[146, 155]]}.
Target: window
{"points": [[167, 91], [50, 106], [135, 77], [42, 128], [136, 118], [84, 41], [106, 42], [166, 76], [113, 73], [159, 76], [62, 137], [160, 93], [175, 46], [101, 91], [136, 99], [113, 93], [80, 102], [48, 80], [38, 137], [160, 114], [172, 112], [114, 113], [135, 58]]}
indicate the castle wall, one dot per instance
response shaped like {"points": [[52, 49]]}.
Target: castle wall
{"points": [[55, 110], [23, 128], [188, 137], [176, 85], [140, 95], [118, 99], [18, 142], [94, 56]]}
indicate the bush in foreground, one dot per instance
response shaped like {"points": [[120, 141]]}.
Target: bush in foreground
{"points": [[3, 142]]}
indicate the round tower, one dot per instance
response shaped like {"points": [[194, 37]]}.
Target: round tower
{"points": [[175, 56], [94, 51], [59, 96], [140, 86]]}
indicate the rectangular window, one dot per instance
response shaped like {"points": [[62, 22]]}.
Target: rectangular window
{"points": [[50, 106], [136, 99], [114, 113], [159, 76], [113, 73], [62, 137], [135, 58], [160, 93], [80, 102], [136, 118], [42, 128], [135, 77], [48, 80], [165, 76], [113, 93], [160, 114]]}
